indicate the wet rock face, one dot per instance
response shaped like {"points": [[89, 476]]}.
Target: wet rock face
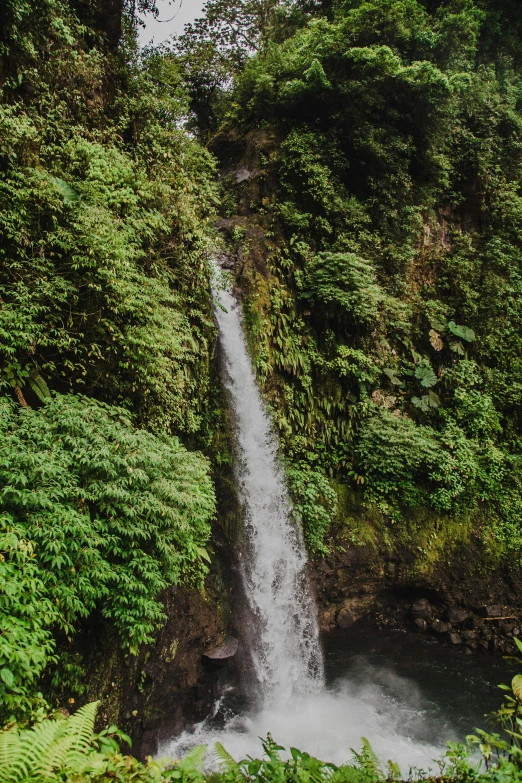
{"points": [[458, 602], [170, 685]]}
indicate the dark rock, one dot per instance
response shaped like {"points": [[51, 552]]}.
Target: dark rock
{"points": [[484, 644], [493, 610], [516, 631], [226, 650], [243, 174], [421, 624], [469, 635], [472, 644], [454, 638], [496, 645], [507, 626], [438, 626], [345, 618], [422, 609], [455, 615]]}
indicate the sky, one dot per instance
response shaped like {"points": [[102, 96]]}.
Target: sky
{"points": [[183, 11]]}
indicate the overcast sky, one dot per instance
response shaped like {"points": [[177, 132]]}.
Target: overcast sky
{"points": [[183, 11]]}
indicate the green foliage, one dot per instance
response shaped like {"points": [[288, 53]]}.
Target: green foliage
{"points": [[103, 278], [50, 749], [98, 516], [314, 502], [106, 336], [393, 454], [345, 282], [386, 329]]}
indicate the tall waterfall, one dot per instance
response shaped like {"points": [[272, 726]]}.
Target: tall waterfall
{"points": [[285, 649], [294, 703]]}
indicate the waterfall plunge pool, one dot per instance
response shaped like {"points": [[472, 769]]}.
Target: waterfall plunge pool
{"points": [[406, 694]]}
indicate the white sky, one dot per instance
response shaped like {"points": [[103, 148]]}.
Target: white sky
{"points": [[183, 11]]}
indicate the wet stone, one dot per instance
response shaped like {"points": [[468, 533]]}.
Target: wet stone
{"points": [[454, 638], [493, 610], [439, 626], [455, 615], [345, 618], [227, 650], [422, 609]]}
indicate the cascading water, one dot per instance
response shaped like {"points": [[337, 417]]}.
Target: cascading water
{"points": [[292, 701], [285, 646]]}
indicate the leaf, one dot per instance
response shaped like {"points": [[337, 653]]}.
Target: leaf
{"points": [[40, 388], [223, 756], [70, 195], [518, 643], [457, 347], [424, 373], [516, 685], [392, 375], [427, 401], [464, 332], [421, 402], [436, 340], [8, 677], [202, 552], [440, 326]]}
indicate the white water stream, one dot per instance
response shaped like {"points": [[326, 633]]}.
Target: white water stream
{"points": [[291, 699]]}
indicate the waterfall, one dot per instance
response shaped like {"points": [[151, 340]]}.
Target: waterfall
{"points": [[285, 646], [294, 704]]}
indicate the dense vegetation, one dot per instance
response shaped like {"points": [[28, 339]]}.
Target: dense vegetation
{"points": [[105, 342], [378, 239], [384, 297]]}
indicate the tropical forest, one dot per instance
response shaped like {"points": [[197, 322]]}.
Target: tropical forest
{"points": [[260, 391]]}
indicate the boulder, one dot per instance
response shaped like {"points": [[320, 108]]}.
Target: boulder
{"points": [[455, 615], [226, 650], [454, 638], [422, 609], [345, 618], [493, 610], [439, 626], [243, 174]]}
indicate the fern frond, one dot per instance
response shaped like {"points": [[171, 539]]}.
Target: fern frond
{"points": [[226, 761], [193, 761], [32, 746], [9, 744], [55, 757], [81, 725], [40, 388]]}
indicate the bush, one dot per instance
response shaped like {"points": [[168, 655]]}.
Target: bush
{"points": [[97, 516]]}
